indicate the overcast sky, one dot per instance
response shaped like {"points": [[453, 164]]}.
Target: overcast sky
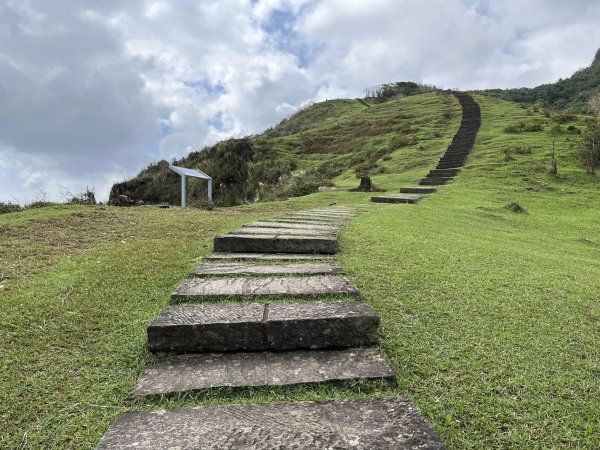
{"points": [[92, 91]]}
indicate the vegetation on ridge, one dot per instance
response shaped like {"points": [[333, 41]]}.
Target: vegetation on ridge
{"points": [[571, 94]]}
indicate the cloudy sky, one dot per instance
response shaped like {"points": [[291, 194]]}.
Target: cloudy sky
{"points": [[92, 91]]}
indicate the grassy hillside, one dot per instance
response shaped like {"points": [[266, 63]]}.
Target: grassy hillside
{"points": [[489, 317], [310, 149], [570, 94]]}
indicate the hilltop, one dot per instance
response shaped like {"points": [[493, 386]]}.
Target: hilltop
{"points": [[343, 138]]}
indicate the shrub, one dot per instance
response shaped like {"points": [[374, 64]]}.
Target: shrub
{"points": [[7, 207], [564, 117], [590, 146], [516, 208], [521, 127]]}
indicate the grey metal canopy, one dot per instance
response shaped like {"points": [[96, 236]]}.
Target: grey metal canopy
{"points": [[185, 172]]}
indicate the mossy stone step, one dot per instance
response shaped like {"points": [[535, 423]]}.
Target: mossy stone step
{"points": [[373, 423], [219, 256], [275, 244], [243, 288], [248, 369], [208, 270], [256, 327], [397, 198]]}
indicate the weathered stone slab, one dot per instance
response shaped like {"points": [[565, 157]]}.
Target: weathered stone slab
{"points": [[434, 181], [227, 327], [315, 217], [282, 231], [418, 190], [244, 369], [279, 244], [374, 423], [242, 287], [270, 256], [300, 226], [267, 269], [396, 198], [255, 327], [329, 324]]}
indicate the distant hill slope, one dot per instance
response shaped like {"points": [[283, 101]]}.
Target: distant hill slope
{"points": [[393, 139], [570, 94], [308, 150]]}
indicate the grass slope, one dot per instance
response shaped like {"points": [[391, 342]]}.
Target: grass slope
{"points": [[489, 317]]}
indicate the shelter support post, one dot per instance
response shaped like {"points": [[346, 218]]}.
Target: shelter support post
{"points": [[183, 189]]}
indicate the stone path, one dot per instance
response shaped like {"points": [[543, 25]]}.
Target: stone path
{"points": [[240, 322], [449, 165]]}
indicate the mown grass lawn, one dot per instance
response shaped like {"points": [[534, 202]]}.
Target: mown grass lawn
{"points": [[490, 318]]}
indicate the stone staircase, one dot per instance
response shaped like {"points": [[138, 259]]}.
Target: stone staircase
{"points": [[271, 307], [450, 164]]}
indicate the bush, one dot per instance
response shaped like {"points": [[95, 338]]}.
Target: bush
{"points": [[516, 208], [521, 127], [7, 207], [590, 146], [564, 117]]}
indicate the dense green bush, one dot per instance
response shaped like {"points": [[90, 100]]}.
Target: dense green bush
{"points": [[7, 207], [521, 127]]}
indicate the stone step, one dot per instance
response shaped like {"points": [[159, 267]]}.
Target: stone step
{"points": [[279, 244], [256, 327], [246, 369], [418, 190], [209, 270], [269, 257], [194, 290], [459, 159], [315, 217], [397, 198], [299, 226], [444, 172], [306, 221], [282, 231], [434, 181], [372, 423], [449, 166]]}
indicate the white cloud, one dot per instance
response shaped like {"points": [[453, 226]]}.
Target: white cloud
{"points": [[109, 86]]}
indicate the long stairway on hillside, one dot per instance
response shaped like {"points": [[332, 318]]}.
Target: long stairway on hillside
{"points": [[271, 307], [453, 160]]}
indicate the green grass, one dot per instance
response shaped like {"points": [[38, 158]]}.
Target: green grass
{"points": [[490, 319]]}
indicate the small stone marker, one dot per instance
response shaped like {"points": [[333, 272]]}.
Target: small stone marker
{"points": [[254, 327], [267, 269], [243, 287], [244, 369], [278, 244], [375, 423]]}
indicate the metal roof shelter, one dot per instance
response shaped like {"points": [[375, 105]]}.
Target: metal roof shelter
{"points": [[184, 173]]}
